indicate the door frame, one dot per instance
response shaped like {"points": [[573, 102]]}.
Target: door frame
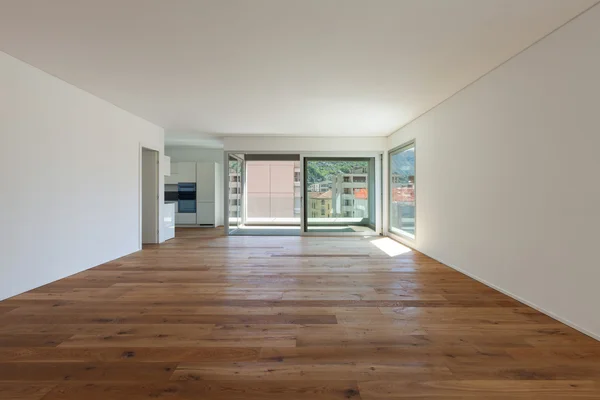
{"points": [[157, 230], [226, 189]]}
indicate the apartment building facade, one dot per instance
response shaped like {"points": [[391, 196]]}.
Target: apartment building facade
{"points": [[319, 205], [349, 194]]}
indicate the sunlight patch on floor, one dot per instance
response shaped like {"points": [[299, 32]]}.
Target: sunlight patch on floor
{"points": [[390, 247]]}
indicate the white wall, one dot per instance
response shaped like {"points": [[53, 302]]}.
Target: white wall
{"points": [[304, 144], [69, 169], [508, 176]]}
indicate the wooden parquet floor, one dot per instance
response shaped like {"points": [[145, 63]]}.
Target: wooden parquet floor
{"points": [[209, 317]]}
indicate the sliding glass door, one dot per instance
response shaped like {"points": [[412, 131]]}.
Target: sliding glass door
{"points": [[402, 191], [310, 194], [235, 191], [339, 195]]}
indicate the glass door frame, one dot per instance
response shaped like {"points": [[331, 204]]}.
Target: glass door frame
{"points": [[378, 184], [226, 182], [397, 234]]}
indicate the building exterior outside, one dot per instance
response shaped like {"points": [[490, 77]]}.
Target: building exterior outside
{"points": [[273, 191], [320, 186], [402, 206], [235, 192], [297, 191], [349, 194], [319, 205]]}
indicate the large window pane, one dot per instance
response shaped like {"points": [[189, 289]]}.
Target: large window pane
{"points": [[402, 190], [273, 192], [338, 198]]}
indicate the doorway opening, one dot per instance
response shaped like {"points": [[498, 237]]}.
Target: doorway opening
{"points": [[149, 196]]}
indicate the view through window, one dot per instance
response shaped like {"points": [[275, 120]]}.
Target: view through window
{"points": [[402, 190], [338, 196]]}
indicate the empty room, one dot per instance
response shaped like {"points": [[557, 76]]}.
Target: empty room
{"points": [[299, 199]]}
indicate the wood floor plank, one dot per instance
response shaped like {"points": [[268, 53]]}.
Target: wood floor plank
{"points": [[24, 390], [275, 371], [214, 317], [32, 339], [88, 371], [479, 389], [208, 390], [128, 354]]}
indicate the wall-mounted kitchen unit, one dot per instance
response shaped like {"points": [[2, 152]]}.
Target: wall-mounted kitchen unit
{"points": [[197, 189], [181, 172], [209, 202]]}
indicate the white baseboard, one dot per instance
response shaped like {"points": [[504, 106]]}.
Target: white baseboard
{"points": [[506, 292]]}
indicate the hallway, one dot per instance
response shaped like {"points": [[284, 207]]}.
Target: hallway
{"points": [[214, 317]]}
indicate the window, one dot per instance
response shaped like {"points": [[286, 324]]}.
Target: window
{"points": [[296, 176], [402, 190], [332, 178], [361, 179]]}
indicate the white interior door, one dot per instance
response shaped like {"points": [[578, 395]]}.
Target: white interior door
{"points": [[149, 196]]}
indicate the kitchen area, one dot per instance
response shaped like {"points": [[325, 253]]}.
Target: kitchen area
{"points": [[194, 194]]}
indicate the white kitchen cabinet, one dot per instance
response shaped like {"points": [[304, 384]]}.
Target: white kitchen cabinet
{"points": [[166, 165], [181, 172], [205, 184], [208, 177], [186, 172], [169, 220], [172, 179], [205, 213], [209, 195], [185, 219]]}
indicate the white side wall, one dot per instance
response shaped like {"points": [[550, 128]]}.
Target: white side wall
{"points": [[508, 176], [69, 169]]}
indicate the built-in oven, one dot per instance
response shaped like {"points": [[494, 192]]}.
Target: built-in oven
{"points": [[171, 192], [186, 198]]}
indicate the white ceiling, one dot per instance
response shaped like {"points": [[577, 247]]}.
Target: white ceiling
{"points": [[281, 67]]}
